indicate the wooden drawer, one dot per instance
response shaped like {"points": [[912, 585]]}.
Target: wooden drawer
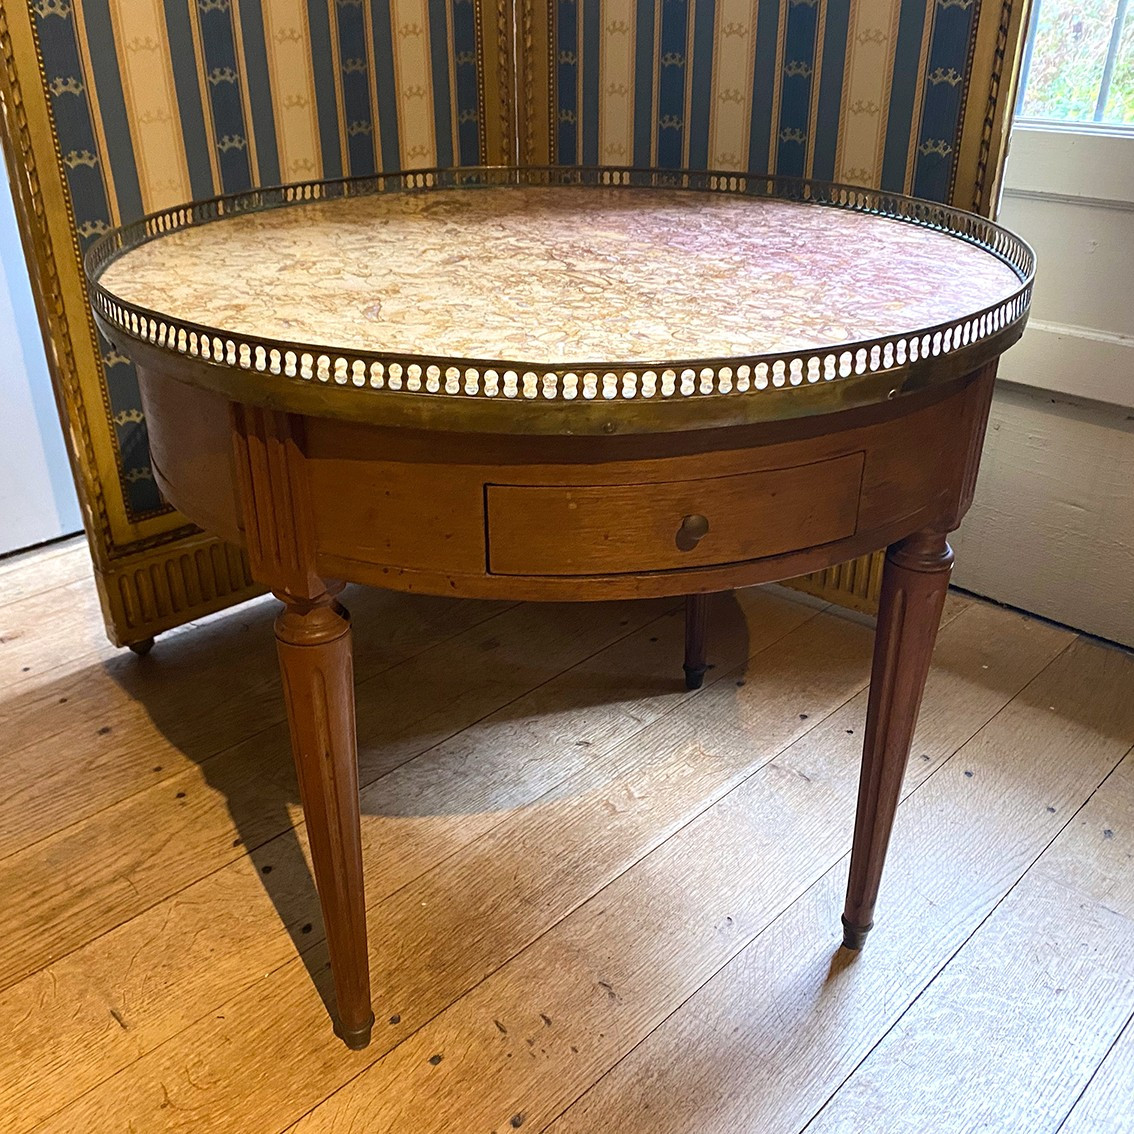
{"points": [[536, 529]]}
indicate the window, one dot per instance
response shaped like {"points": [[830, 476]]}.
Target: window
{"points": [[1078, 65]]}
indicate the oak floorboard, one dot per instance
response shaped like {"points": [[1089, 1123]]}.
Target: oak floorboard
{"points": [[81, 740], [477, 902], [1107, 1103], [1011, 1031], [540, 838], [44, 568], [767, 1041], [60, 629], [87, 878], [165, 968]]}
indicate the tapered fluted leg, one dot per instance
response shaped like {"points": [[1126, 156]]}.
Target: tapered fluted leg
{"points": [[313, 637], [696, 618], [914, 583]]}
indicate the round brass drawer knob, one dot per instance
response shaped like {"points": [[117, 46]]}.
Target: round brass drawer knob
{"points": [[693, 529]]}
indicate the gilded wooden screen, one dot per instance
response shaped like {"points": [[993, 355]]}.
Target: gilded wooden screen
{"points": [[115, 108], [906, 95]]}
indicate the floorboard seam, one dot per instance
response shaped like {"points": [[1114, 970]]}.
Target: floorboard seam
{"points": [[1091, 1078]]}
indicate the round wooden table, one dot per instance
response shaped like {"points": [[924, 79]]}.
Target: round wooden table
{"points": [[564, 384]]}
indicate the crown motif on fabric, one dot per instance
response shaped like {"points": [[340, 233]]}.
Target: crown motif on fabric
{"points": [[45, 8], [75, 158], [935, 146], [68, 85]]}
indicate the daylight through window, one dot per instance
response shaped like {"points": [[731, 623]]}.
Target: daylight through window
{"points": [[1078, 63]]}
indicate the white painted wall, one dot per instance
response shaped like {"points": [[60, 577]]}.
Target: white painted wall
{"points": [[1070, 194], [37, 495], [1052, 527]]}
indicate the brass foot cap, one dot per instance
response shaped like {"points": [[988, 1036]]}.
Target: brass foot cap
{"points": [[694, 676], [356, 1038], [854, 936]]}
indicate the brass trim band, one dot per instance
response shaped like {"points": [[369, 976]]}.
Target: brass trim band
{"points": [[601, 396]]}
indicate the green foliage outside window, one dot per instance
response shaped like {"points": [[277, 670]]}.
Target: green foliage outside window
{"points": [[1080, 62]]}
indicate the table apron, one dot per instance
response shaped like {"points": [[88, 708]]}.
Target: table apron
{"points": [[593, 519]]}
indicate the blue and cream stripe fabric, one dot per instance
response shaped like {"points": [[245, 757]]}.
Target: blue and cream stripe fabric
{"points": [[866, 91], [159, 102]]}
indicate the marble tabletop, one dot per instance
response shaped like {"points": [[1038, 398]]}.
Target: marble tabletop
{"points": [[552, 275]]}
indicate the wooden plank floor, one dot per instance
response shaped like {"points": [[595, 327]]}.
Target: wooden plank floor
{"points": [[597, 902]]}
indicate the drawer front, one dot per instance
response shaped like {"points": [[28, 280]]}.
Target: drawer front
{"points": [[536, 529]]}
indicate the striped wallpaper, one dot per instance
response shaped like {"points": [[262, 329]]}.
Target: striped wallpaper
{"points": [[866, 91], [158, 102]]}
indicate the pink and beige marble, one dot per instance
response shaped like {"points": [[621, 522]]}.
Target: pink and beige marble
{"points": [[560, 275]]}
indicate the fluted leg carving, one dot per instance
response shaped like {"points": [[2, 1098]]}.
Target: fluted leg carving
{"points": [[314, 642], [696, 620], [914, 584]]}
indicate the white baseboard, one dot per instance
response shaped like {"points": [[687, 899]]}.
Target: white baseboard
{"points": [[1080, 361]]}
